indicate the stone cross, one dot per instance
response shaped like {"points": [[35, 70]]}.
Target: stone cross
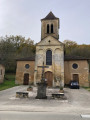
{"points": [[43, 78]]}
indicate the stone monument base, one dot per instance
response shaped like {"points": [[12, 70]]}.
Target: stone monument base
{"points": [[21, 95], [41, 92]]}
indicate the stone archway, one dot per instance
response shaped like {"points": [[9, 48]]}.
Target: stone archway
{"points": [[49, 77]]}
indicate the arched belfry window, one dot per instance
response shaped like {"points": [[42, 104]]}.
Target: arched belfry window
{"points": [[51, 28], [49, 57], [47, 28]]}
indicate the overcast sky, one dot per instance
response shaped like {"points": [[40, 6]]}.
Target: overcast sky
{"points": [[22, 17]]}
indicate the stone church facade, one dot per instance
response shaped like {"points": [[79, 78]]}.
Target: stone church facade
{"points": [[50, 51]]}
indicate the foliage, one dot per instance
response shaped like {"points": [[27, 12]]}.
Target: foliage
{"points": [[61, 87], [87, 88], [9, 82], [13, 47], [69, 45], [73, 49]]}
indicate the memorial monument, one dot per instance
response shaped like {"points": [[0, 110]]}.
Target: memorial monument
{"points": [[42, 85]]}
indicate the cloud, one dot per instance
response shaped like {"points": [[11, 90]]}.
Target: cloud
{"points": [[22, 17]]}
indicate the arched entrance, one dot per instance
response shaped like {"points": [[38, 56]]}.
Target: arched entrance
{"points": [[49, 77], [26, 79]]}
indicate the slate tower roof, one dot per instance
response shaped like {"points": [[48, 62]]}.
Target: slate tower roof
{"points": [[50, 16]]}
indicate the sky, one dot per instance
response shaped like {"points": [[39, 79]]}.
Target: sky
{"points": [[23, 17]]}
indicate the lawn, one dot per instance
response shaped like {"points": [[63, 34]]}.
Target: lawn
{"points": [[9, 82], [87, 88]]}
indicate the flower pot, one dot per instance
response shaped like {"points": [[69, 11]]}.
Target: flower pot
{"points": [[29, 89], [61, 91]]}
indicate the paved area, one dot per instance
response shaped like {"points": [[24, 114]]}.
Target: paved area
{"points": [[15, 115], [78, 101]]}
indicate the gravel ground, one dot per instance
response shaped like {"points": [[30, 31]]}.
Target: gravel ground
{"points": [[78, 101]]}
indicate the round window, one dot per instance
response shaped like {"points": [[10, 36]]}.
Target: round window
{"points": [[27, 66], [75, 66]]}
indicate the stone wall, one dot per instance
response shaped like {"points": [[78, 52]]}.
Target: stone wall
{"points": [[2, 73], [21, 70], [82, 71], [57, 67], [55, 28]]}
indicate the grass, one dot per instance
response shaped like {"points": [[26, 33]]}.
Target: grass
{"points": [[87, 88], [9, 82]]}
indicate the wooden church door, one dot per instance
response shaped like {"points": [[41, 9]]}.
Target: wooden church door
{"points": [[49, 77], [26, 79], [76, 77]]}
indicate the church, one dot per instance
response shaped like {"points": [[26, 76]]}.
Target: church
{"points": [[60, 69]]}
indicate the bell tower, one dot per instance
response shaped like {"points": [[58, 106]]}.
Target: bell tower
{"points": [[50, 26], [50, 51]]}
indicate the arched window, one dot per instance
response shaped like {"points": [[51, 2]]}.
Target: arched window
{"points": [[47, 28], [49, 57], [51, 28]]}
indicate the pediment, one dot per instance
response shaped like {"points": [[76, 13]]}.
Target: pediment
{"points": [[49, 40]]}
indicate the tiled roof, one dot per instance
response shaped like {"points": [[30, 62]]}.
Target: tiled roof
{"points": [[50, 16], [67, 58], [32, 58]]}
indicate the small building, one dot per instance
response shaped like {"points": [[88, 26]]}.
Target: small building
{"points": [[25, 71], [76, 68], [61, 69], [2, 73]]}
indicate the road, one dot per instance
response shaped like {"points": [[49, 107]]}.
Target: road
{"points": [[8, 115]]}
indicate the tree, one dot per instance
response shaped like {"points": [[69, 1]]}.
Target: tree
{"points": [[69, 46], [12, 47]]}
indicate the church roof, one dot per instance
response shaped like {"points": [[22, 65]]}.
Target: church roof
{"points": [[51, 36], [66, 58], [32, 58], [50, 16], [69, 57]]}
